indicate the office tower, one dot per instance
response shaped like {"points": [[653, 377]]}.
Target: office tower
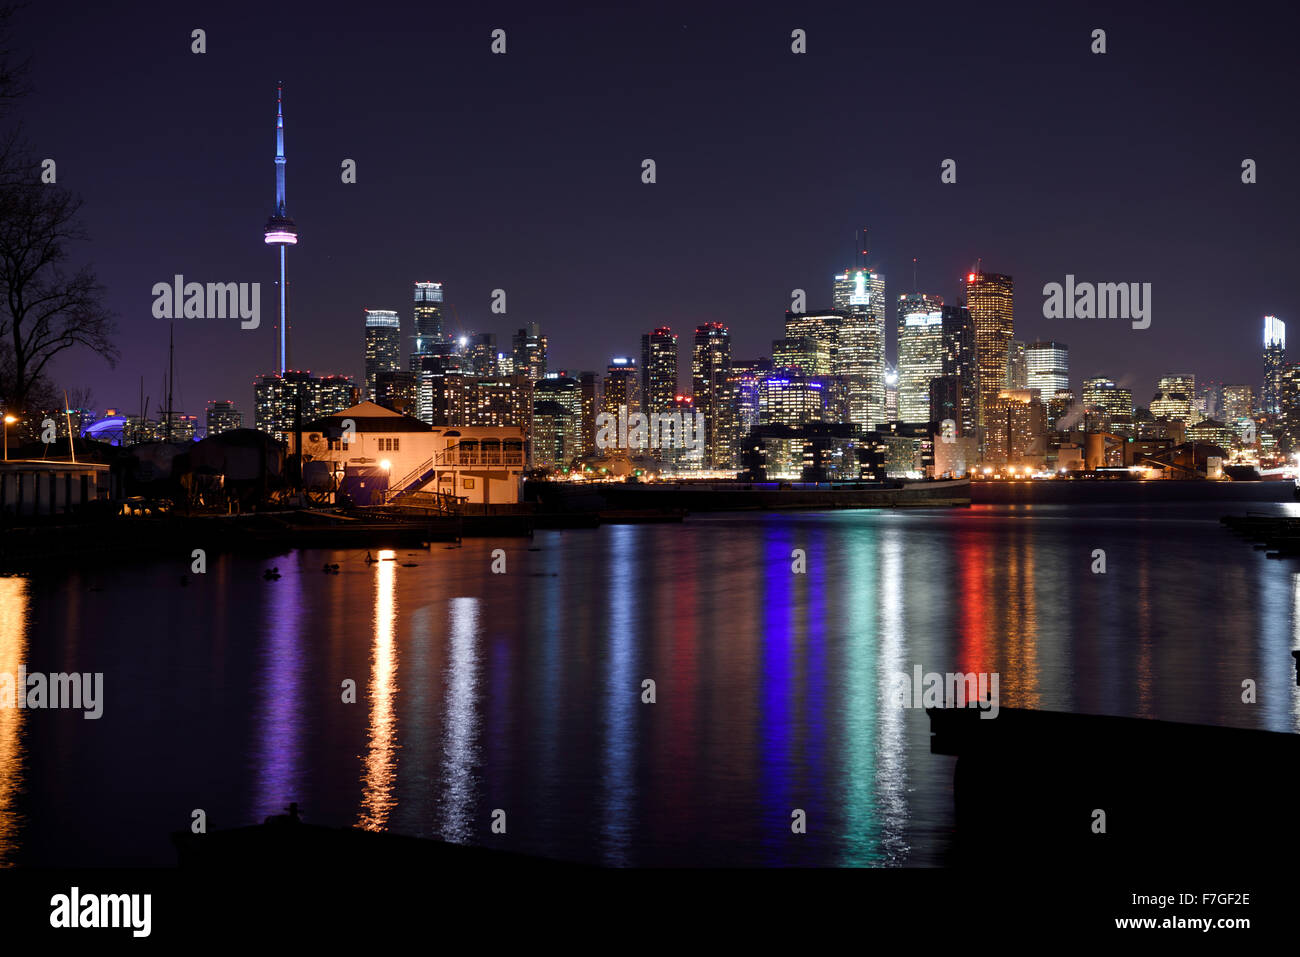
{"points": [[859, 293], [426, 320], [383, 346], [280, 229], [1094, 390], [990, 298], [564, 392], [396, 389], [891, 394], [282, 403], [791, 399], [746, 376], [946, 402], [222, 416], [961, 361], [1238, 402], [1274, 360], [819, 331], [1017, 368], [658, 370], [852, 368], [528, 348], [1173, 398], [710, 372], [622, 386], [481, 352], [920, 353], [803, 355], [1047, 368], [589, 389], [1016, 425], [1106, 407]]}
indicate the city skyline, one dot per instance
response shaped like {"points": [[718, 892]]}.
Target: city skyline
{"points": [[460, 220]]}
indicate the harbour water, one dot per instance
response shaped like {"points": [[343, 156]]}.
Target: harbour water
{"points": [[523, 691]]}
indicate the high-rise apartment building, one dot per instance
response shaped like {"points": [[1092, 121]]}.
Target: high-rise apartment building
{"points": [[283, 402], [658, 370], [710, 375], [222, 416]]}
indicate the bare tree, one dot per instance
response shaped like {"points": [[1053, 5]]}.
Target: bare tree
{"points": [[45, 307]]}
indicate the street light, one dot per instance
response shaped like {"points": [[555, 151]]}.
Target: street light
{"points": [[9, 420]]}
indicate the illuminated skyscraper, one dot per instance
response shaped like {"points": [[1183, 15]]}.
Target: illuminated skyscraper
{"points": [[658, 370], [622, 386], [859, 293], [791, 399], [1173, 399], [589, 389], [481, 349], [280, 229], [1017, 367], [960, 364], [1274, 360], [989, 297], [710, 378], [1047, 366], [1102, 396], [805, 355], [1016, 424], [1238, 402], [383, 346], [427, 319], [222, 416], [920, 353], [821, 331], [746, 377], [282, 402], [529, 351]]}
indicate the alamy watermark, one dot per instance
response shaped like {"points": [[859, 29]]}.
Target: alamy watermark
{"points": [[1103, 300], [931, 689], [215, 300], [34, 690], [653, 430]]}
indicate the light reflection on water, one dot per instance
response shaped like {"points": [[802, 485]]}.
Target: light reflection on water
{"points": [[13, 647], [523, 691]]}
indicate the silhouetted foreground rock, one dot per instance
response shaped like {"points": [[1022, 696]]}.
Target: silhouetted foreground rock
{"points": [[1029, 786], [284, 841]]}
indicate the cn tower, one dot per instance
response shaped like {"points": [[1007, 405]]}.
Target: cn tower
{"points": [[280, 229]]}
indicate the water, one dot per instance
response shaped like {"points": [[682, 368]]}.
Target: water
{"points": [[522, 692]]}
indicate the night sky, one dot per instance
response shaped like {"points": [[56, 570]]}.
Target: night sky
{"points": [[523, 171]]}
